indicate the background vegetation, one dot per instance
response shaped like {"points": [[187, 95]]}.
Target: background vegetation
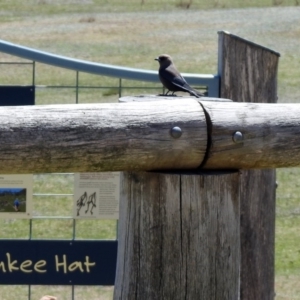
{"points": [[132, 34]]}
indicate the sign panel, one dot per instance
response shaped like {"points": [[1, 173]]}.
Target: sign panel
{"points": [[17, 95], [16, 196], [58, 262], [96, 195]]}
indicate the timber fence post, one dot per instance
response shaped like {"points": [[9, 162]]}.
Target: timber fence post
{"points": [[249, 74], [178, 236]]}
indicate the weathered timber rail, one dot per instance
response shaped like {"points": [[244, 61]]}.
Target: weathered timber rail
{"points": [[138, 136]]}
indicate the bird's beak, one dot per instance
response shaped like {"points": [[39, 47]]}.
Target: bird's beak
{"points": [[156, 58]]}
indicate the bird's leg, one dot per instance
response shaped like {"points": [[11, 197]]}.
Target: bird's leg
{"points": [[167, 92]]}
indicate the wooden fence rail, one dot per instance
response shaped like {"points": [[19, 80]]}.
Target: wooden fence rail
{"points": [[177, 133]]}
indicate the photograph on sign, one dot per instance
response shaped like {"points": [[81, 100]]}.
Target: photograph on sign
{"points": [[96, 195], [16, 196]]}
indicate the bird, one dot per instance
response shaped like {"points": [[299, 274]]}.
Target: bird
{"points": [[172, 79]]}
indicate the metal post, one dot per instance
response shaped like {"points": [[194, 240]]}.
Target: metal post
{"points": [[74, 229], [73, 292], [30, 229], [33, 73], [120, 87], [29, 292], [77, 84]]}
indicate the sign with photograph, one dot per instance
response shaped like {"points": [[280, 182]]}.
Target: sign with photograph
{"points": [[96, 195], [16, 196]]}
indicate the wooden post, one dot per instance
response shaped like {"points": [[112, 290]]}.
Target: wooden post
{"points": [[249, 74], [178, 236]]}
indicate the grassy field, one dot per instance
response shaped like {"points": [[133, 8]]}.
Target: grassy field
{"points": [[132, 34]]}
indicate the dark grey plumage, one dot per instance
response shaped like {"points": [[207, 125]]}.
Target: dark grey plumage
{"points": [[172, 79]]}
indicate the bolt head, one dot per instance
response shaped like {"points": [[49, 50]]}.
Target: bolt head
{"points": [[238, 137], [176, 132]]}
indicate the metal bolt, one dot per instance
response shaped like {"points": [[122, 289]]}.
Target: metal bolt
{"points": [[238, 137], [176, 132]]}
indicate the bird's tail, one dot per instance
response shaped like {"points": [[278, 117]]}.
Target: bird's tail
{"points": [[196, 93]]}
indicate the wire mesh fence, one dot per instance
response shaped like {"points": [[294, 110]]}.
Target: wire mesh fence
{"points": [[53, 220]]}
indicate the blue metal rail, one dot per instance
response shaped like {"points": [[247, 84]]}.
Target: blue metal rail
{"points": [[208, 80]]}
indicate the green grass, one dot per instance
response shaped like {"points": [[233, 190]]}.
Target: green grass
{"points": [[288, 258], [287, 246], [288, 222], [132, 34]]}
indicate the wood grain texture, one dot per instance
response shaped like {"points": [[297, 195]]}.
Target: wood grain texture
{"points": [[258, 194], [249, 74], [248, 71], [178, 236], [102, 137], [270, 135]]}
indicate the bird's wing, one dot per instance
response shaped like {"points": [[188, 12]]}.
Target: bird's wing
{"points": [[171, 75], [174, 77], [180, 81]]}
